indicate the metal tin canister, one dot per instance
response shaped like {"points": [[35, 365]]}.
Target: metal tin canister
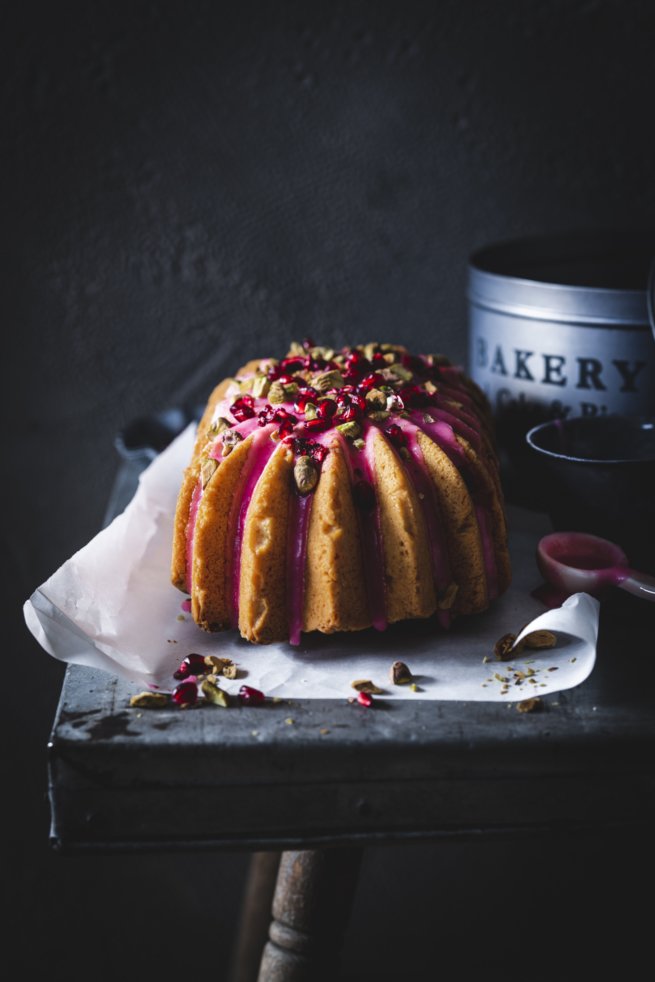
{"points": [[558, 326]]}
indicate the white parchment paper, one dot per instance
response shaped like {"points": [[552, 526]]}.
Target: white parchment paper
{"points": [[111, 606]]}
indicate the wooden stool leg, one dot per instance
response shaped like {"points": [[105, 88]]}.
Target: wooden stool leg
{"points": [[255, 917], [311, 907]]}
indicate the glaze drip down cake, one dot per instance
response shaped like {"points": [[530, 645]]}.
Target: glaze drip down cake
{"points": [[340, 490]]}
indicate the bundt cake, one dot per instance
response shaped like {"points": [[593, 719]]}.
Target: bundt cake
{"points": [[339, 490]]}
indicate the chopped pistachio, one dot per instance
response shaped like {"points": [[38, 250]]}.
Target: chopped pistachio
{"points": [[427, 418], [504, 647], [351, 429], [282, 392], [310, 411], [217, 664], [359, 444], [150, 700], [305, 474], [365, 685], [230, 440], [370, 349], [230, 671], [219, 426], [296, 348], [328, 380], [376, 399], [212, 693], [430, 387], [379, 416], [399, 673], [401, 372], [260, 386], [528, 705], [327, 354]]}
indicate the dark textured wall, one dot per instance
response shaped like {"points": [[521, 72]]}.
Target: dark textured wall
{"points": [[185, 186]]}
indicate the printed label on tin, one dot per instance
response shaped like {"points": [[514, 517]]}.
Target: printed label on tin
{"points": [[541, 369]]}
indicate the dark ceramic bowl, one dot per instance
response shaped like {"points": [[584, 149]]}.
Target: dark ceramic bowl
{"points": [[597, 474]]}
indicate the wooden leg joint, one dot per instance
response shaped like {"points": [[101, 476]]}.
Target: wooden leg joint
{"points": [[311, 907]]}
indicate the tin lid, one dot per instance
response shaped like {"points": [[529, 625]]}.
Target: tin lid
{"points": [[584, 278]]}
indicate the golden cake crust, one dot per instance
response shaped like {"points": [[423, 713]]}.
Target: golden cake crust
{"points": [[336, 490]]}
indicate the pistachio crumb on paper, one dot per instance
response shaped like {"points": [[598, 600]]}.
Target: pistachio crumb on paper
{"points": [[366, 685], [399, 673], [150, 700]]}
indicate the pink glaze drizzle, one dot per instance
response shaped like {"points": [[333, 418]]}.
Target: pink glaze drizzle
{"points": [[424, 488], [262, 449], [301, 506], [444, 436], [216, 453], [370, 528]]}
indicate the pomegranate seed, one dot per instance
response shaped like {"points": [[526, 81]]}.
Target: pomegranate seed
{"points": [[191, 665], [365, 699], [308, 392], [305, 394], [348, 414], [317, 425], [318, 452], [370, 381], [266, 415], [396, 435], [326, 408], [186, 693], [364, 495], [251, 697], [242, 409], [293, 364], [285, 429], [284, 416], [356, 364], [414, 396], [378, 359]]}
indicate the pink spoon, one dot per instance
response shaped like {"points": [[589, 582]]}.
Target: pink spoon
{"points": [[575, 562]]}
